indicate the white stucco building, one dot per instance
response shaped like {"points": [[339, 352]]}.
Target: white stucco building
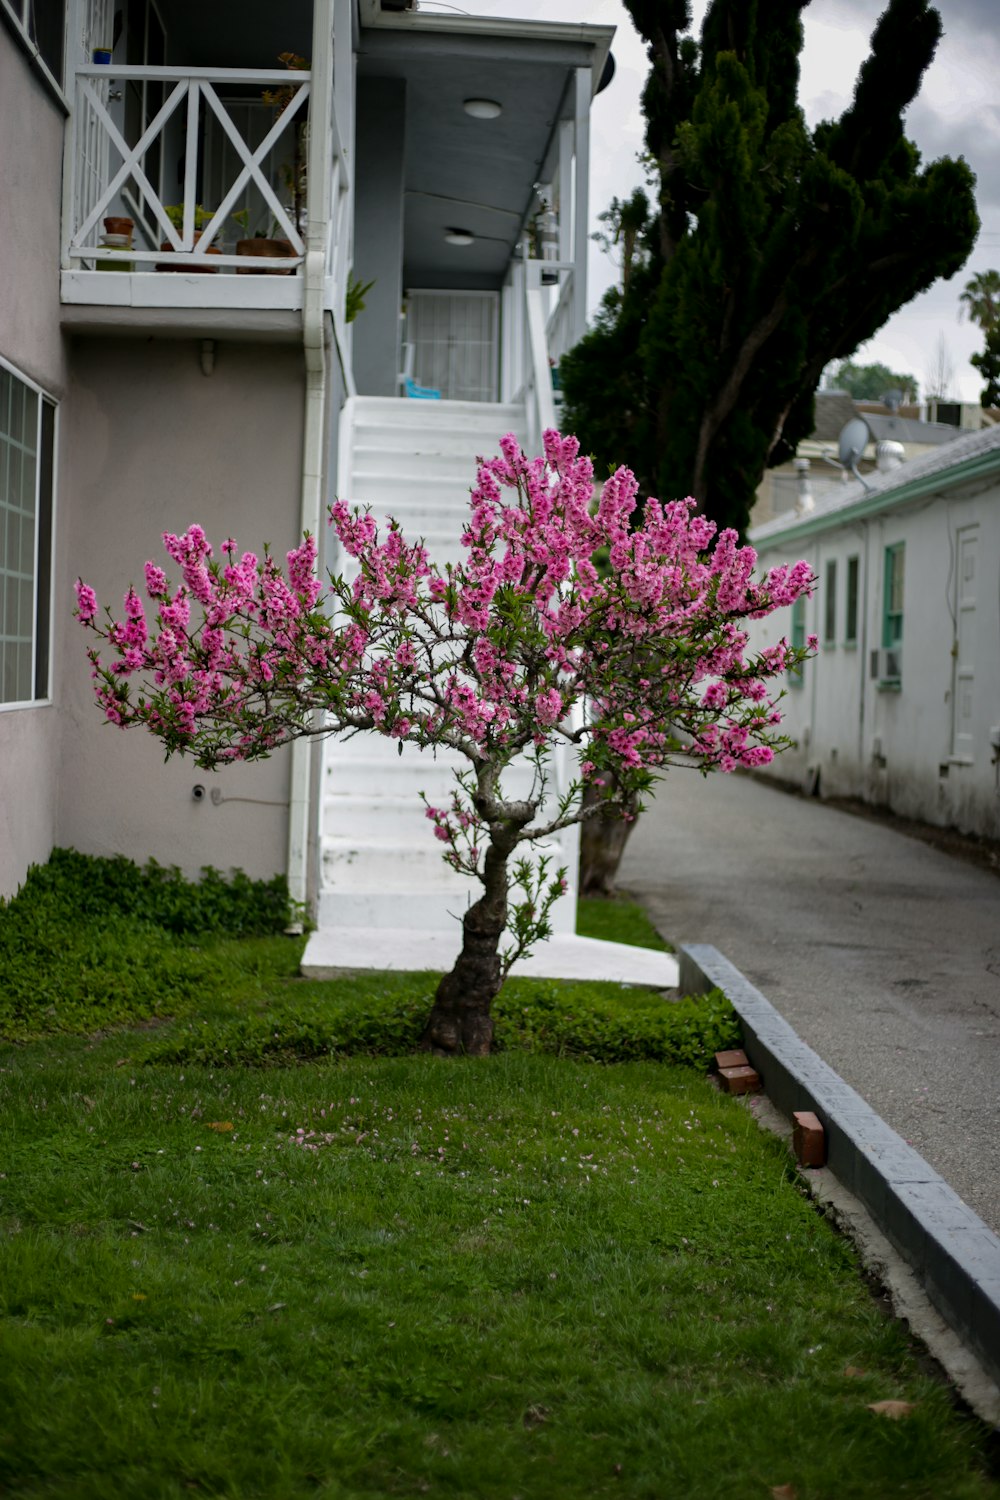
{"points": [[901, 704], [150, 382]]}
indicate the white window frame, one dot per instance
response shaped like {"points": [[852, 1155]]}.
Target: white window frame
{"points": [[17, 13], [44, 397]]}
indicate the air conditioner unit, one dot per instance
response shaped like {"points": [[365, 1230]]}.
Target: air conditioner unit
{"points": [[887, 664]]}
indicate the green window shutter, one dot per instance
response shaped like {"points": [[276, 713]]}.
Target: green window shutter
{"points": [[851, 602], [798, 638], [830, 604]]}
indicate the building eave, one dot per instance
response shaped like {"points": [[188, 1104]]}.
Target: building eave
{"points": [[596, 38], [970, 471]]}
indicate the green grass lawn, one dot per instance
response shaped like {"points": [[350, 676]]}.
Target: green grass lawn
{"points": [[616, 919], [287, 1272]]}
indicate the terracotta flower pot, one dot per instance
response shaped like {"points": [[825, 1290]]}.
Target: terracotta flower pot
{"points": [[119, 226], [272, 249]]}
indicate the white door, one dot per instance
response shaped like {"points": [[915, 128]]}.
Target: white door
{"points": [[454, 338], [964, 679]]}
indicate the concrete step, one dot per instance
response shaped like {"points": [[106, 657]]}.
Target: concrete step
{"points": [[387, 910], [390, 910], [417, 506], [385, 863], [436, 415], [333, 949], [400, 449]]}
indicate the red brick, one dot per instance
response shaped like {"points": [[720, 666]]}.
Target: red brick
{"points": [[739, 1080], [808, 1139], [737, 1058]]}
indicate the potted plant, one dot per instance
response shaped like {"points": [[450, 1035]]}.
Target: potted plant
{"points": [[294, 176], [263, 246], [202, 216], [114, 224]]}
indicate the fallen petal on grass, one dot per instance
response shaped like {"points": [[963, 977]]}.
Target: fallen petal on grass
{"points": [[894, 1410]]}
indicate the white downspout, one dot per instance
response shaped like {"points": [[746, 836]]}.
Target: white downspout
{"points": [[581, 221], [318, 208]]}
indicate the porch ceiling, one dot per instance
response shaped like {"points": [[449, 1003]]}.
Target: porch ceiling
{"points": [[236, 33], [467, 173]]}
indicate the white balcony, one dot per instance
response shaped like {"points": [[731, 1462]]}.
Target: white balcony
{"points": [[236, 143]]}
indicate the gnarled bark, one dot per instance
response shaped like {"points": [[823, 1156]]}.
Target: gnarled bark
{"points": [[460, 1020], [603, 836]]}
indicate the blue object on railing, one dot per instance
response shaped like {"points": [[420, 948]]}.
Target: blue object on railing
{"points": [[420, 392]]}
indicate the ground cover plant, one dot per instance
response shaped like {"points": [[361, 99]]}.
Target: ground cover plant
{"points": [[238, 1272], [91, 944], [522, 650]]}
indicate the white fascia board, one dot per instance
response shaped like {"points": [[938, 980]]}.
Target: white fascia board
{"points": [[597, 37]]}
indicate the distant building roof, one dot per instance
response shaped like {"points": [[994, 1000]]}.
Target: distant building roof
{"points": [[969, 455], [834, 409], [907, 430]]}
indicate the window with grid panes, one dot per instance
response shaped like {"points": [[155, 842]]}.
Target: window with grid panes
{"points": [[27, 442], [42, 24]]}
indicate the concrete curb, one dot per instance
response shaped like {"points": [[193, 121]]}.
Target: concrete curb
{"points": [[954, 1255]]}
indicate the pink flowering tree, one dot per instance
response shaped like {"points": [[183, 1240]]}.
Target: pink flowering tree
{"points": [[524, 644]]}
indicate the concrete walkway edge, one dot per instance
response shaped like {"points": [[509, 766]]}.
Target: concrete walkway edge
{"points": [[955, 1256]]}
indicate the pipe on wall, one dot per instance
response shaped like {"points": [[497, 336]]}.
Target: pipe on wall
{"points": [[318, 207]]}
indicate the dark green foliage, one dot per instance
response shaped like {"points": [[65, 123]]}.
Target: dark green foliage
{"points": [[594, 1022], [89, 943], [982, 301], [381, 1016], [385, 1017], [871, 382], [988, 365], [769, 252], [155, 894]]}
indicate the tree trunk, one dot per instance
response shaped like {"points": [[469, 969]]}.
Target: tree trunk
{"points": [[460, 1020], [603, 837]]}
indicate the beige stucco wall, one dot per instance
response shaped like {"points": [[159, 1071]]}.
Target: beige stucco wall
{"points": [[30, 340], [150, 445]]}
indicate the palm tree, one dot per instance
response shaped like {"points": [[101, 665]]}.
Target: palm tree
{"points": [[982, 299], [982, 302]]}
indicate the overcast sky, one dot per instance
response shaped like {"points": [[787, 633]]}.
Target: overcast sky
{"points": [[957, 113]]}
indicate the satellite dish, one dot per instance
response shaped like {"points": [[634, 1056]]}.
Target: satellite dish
{"points": [[854, 439]]}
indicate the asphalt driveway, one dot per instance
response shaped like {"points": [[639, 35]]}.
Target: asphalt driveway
{"points": [[882, 952]]}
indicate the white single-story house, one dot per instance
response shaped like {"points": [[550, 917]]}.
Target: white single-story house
{"points": [[901, 704]]}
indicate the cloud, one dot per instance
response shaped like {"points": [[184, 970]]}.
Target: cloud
{"points": [[977, 139]]}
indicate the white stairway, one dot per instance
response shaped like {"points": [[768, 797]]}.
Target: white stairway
{"points": [[381, 864]]}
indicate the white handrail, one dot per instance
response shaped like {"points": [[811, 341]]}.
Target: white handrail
{"points": [[192, 85]]}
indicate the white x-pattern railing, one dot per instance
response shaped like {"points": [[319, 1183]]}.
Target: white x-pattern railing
{"points": [[196, 86]]}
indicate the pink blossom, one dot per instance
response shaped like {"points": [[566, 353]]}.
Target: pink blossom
{"points": [[86, 602]]}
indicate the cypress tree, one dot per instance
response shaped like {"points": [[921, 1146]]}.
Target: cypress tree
{"points": [[770, 250]]}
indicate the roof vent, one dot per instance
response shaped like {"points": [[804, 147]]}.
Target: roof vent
{"points": [[888, 456], [804, 501]]}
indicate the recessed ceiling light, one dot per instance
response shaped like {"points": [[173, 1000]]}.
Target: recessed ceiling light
{"points": [[482, 109], [459, 236]]}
